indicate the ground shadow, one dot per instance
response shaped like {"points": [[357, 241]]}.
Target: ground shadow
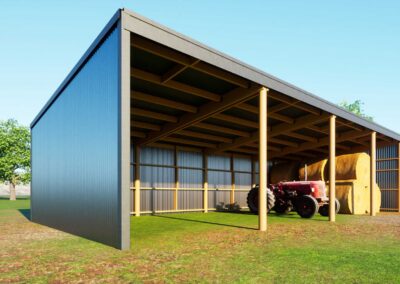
{"points": [[236, 212], [291, 215], [205, 222], [295, 216], [26, 213]]}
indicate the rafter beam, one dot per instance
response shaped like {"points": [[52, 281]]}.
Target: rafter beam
{"points": [[222, 129], [248, 107], [176, 70], [294, 103], [145, 125], [280, 129], [245, 151], [301, 122], [270, 148], [283, 142], [184, 59], [281, 117], [301, 137], [349, 135], [138, 134], [307, 155], [317, 129], [350, 124], [157, 79], [207, 110], [136, 95], [237, 120], [274, 115], [204, 136], [188, 142], [279, 107], [343, 147], [152, 114]]}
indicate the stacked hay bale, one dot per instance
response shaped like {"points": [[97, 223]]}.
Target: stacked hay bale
{"points": [[352, 182]]}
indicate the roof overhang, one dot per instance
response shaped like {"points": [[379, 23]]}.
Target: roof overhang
{"points": [[242, 102]]}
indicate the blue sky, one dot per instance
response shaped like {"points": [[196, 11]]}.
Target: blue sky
{"points": [[338, 50]]}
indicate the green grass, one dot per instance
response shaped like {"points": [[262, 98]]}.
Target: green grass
{"points": [[213, 247]]}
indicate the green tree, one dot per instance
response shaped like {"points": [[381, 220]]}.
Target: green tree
{"points": [[14, 154], [356, 107]]}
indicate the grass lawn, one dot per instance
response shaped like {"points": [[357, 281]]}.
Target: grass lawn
{"points": [[213, 247]]}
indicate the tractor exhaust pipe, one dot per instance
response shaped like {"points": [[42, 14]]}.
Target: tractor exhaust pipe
{"points": [[305, 172]]}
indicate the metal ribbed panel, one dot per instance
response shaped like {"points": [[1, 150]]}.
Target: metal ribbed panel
{"points": [[216, 197], [190, 159], [190, 178], [157, 177], [157, 156], [146, 200], [243, 181], [219, 180], [219, 162], [163, 200], [190, 199], [387, 167], [242, 164], [75, 152], [241, 198]]}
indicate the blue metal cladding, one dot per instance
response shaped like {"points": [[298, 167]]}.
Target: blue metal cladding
{"points": [[387, 175], [75, 152]]}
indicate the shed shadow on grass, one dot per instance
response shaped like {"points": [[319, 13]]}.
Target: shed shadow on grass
{"points": [[205, 222], [295, 216], [291, 215], [26, 213]]}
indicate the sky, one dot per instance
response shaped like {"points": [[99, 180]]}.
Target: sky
{"points": [[338, 50]]}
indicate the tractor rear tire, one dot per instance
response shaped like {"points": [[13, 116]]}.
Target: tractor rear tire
{"points": [[307, 206], [253, 200], [324, 210]]}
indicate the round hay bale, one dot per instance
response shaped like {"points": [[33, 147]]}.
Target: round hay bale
{"points": [[351, 167], [315, 171]]}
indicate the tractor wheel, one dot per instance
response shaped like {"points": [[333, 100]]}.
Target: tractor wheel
{"points": [[307, 206], [252, 199], [282, 208], [324, 210]]}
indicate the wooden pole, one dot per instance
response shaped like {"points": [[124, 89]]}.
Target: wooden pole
{"points": [[262, 208], [232, 197], [137, 181], [176, 179], [205, 183], [398, 177], [373, 173], [332, 168]]}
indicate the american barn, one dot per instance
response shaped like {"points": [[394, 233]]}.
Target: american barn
{"points": [[151, 121]]}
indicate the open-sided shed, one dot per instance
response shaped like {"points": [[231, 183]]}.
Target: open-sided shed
{"points": [[152, 121]]}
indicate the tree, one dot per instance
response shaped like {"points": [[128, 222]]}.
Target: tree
{"points": [[356, 108], [14, 154]]}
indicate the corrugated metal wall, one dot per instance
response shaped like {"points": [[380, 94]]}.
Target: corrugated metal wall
{"points": [[229, 179], [75, 156], [387, 176]]}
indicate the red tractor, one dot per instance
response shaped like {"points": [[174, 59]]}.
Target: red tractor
{"points": [[305, 197]]}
